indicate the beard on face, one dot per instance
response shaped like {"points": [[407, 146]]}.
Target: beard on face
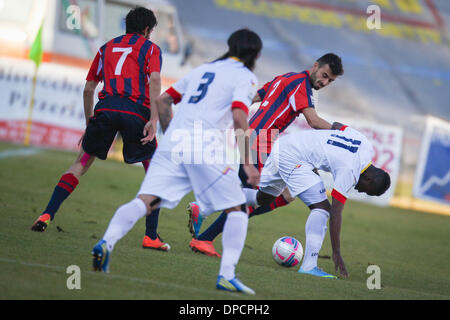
{"points": [[314, 83]]}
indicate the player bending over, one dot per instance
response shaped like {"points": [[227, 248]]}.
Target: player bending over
{"points": [[213, 95], [347, 155], [283, 99], [129, 67]]}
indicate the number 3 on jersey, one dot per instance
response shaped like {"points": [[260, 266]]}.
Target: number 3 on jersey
{"points": [[203, 87]]}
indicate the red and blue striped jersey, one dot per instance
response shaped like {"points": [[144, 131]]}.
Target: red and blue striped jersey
{"points": [[283, 99], [124, 64]]}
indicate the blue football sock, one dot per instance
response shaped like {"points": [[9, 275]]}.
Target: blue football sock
{"points": [[260, 210], [214, 229], [151, 224], [58, 197], [63, 189]]}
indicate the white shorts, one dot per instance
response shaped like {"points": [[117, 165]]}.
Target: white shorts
{"points": [[299, 178], [216, 187]]}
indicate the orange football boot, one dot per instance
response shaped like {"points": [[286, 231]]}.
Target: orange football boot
{"points": [[205, 247], [41, 223], [156, 244]]}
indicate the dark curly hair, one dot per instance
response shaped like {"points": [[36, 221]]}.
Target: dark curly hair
{"points": [[245, 45], [333, 61], [138, 19]]}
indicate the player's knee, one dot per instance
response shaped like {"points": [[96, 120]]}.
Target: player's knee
{"points": [[325, 205], [264, 199], [151, 202]]}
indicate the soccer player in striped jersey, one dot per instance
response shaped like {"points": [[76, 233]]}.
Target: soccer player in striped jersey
{"points": [[129, 67], [282, 100]]}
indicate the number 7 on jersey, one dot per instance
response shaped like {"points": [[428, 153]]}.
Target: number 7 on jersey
{"points": [[125, 52]]}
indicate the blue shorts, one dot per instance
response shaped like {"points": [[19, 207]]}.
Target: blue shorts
{"points": [[113, 115]]}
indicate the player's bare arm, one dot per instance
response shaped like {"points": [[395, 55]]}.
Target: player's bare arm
{"points": [[164, 105], [314, 120], [154, 92], [335, 231], [242, 137], [88, 99]]}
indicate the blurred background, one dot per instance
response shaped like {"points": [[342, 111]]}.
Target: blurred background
{"points": [[395, 89]]}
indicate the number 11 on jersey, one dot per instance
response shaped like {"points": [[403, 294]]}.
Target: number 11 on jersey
{"points": [[348, 144]]}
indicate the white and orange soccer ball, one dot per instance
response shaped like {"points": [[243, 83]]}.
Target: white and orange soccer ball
{"points": [[287, 251]]}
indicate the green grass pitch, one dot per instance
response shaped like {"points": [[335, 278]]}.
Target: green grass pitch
{"points": [[412, 249]]}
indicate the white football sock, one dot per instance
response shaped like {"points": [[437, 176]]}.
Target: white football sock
{"points": [[233, 239], [315, 229], [250, 196], [123, 220]]}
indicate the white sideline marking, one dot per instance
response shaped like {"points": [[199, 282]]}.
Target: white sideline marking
{"points": [[18, 152], [115, 276]]}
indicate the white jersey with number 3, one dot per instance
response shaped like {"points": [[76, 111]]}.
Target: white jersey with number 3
{"points": [[206, 96]]}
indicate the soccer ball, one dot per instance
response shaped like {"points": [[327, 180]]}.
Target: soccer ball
{"points": [[287, 251]]}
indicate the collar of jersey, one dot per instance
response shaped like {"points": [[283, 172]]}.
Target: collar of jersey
{"points": [[235, 58], [365, 168]]}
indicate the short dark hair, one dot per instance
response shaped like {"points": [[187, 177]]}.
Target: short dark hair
{"points": [[333, 61], [382, 181], [245, 45], [138, 19]]}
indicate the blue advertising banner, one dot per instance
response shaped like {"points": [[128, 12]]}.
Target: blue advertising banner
{"points": [[432, 181]]}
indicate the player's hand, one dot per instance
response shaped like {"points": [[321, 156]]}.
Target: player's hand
{"points": [[336, 126], [339, 265], [252, 174], [149, 132]]}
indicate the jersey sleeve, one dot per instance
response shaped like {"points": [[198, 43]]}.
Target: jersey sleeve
{"points": [[244, 92], [302, 97], [343, 182], [154, 59], [177, 90], [94, 73]]}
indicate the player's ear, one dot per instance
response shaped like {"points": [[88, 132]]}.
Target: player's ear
{"points": [[147, 32], [315, 66]]}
